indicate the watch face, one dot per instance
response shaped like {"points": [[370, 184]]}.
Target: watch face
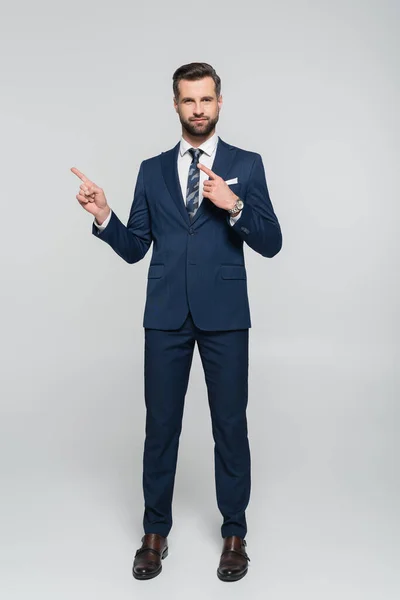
{"points": [[239, 204]]}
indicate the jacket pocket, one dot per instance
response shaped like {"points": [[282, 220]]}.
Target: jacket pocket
{"points": [[233, 272], [236, 188], [155, 271]]}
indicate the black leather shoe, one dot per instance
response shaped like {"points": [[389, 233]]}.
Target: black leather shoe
{"points": [[234, 561], [147, 562]]}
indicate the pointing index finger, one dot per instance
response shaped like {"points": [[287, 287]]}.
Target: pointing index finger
{"points": [[79, 174], [207, 171]]}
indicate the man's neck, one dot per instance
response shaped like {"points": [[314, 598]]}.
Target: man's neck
{"points": [[195, 140]]}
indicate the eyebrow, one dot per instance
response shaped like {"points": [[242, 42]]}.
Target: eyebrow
{"points": [[203, 98]]}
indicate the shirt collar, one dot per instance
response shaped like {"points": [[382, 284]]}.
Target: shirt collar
{"points": [[208, 146]]}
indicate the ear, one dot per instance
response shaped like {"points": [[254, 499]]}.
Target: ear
{"points": [[220, 101]]}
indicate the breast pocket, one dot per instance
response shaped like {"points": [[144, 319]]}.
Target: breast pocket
{"points": [[236, 188]]}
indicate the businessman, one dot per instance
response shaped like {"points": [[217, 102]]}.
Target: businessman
{"points": [[197, 203]]}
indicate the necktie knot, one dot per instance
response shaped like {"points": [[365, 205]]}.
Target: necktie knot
{"points": [[195, 152]]}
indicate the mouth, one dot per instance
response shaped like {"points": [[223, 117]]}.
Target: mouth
{"points": [[198, 120]]}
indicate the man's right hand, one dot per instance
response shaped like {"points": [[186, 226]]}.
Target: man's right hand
{"points": [[91, 197]]}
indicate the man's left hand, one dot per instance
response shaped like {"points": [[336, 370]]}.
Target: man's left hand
{"points": [[216, 190]]}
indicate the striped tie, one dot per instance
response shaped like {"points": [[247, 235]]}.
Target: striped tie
{"points": [[192, 190]]}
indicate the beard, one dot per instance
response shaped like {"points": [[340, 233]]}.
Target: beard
{"points": [[199, 130]]}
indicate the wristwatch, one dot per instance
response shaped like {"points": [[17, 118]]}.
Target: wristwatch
{"points": [[238, 206]]}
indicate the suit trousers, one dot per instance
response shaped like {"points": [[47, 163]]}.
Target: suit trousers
{"points": [[167, 362]]}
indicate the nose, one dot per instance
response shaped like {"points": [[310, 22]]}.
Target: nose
{"points": [[198, 112]]}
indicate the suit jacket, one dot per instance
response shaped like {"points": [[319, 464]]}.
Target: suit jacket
{"points": [[199, 265]]}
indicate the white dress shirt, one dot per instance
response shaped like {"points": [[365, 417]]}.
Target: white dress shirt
{"points": [[209, 148]]}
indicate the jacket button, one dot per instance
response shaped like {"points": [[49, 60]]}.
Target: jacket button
{"points": [[191, 231]]}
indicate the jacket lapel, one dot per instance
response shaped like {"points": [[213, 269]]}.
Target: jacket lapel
{"points": [[169, 166]]}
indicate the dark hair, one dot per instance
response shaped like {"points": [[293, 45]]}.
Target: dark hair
{"points": [[194, 71]]}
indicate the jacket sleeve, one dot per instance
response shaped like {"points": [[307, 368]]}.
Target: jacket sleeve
{"points": [[132, 241], [258, 225]]}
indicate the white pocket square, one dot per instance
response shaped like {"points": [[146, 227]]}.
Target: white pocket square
{"points": [[230, 181]]}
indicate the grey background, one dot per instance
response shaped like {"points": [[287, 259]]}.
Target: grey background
{"points": [[314, 88]]}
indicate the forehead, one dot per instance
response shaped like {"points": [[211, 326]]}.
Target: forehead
{"points": [[199, 87]]}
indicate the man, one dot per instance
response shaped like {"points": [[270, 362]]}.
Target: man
{"points": [[197, 203]]}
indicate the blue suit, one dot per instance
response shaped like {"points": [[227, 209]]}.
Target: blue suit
{"points": [[196, 292]]}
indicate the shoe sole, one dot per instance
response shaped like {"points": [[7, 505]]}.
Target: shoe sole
{"points": [[151, 575], [231, 577]]}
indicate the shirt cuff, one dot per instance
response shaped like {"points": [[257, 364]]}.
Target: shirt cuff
{"points": [[104, 224], [233, 220]]}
